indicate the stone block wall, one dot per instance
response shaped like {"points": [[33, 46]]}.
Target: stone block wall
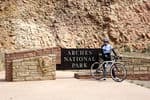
{"points": [[18, 55], [138, 68], [137, 64], [34, 68]]}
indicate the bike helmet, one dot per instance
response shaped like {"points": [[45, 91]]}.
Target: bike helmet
{"points": [[105, 40]]}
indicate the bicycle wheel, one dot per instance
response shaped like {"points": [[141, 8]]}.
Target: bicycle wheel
{"points": [[118, 72], [97, 70]]}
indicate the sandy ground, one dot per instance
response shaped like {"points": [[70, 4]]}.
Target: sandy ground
{"points": [[141, 83], [65, 87]]}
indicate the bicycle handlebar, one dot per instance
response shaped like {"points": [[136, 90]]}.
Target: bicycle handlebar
{"points": [[115, 57]]}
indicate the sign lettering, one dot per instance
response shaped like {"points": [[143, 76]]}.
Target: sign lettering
{"points": [[78, 58]]}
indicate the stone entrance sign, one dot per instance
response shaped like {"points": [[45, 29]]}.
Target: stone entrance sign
{"points": [[36, 64]]}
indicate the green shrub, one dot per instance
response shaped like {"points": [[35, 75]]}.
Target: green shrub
{"points": [[148, 48], [127, 49]]}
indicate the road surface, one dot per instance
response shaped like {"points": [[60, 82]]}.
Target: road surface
{"points": [[65, 87]]}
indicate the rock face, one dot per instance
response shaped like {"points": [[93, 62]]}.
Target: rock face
{"points": [[27, 24]]}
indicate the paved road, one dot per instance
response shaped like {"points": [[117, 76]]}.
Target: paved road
{"points": [[65, 87]]}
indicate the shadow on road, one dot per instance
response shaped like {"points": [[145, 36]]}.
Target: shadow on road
{"points": [[2, 80]]}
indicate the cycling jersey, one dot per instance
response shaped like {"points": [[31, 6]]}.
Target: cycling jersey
{"points": [[106, 49]]}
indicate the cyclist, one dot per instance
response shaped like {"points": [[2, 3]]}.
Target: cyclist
{"points": [[106, 50]]}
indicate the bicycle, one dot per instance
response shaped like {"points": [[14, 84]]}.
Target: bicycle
{"points": [[118, 71]]}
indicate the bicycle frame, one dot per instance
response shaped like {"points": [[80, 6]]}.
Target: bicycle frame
{"points": [[108, 63], [113, 61]]}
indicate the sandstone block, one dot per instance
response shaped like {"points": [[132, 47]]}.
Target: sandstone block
{"points": [[19, 79], [136, 68], [142, 68], [31, 67], [22, 74], [28, 78]]}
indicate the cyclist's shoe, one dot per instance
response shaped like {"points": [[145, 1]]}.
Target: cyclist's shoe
{"points": [[117, 79], [104, 79]]}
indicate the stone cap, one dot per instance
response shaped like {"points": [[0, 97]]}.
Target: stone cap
{"points": [[27, 50], [136, 57]]}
